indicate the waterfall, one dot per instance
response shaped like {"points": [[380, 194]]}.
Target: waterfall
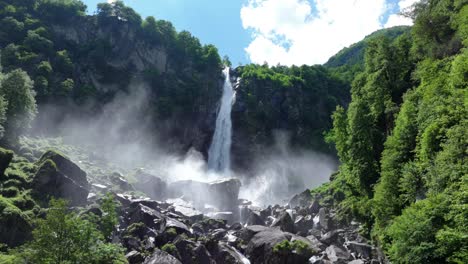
{"points": [[219, 154]]}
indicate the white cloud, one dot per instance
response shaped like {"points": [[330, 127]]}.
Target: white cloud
{"points": [[396, 19], [309, 32]]}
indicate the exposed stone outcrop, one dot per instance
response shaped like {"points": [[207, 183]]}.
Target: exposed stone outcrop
{"points": [[59, 177]]}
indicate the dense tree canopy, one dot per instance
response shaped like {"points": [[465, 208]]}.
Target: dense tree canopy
{"points": [[402, 140]]}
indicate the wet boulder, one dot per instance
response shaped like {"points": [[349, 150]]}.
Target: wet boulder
{"points": [[302, 199], [284, 222], [59, 177], [225, 193], [226, 254], [161, 257], [222, 194], [254, 219], [151, 185]]}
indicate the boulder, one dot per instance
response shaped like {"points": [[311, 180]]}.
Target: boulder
{"points": [[228, 255], [15, 228], [337, 255], [324, 219], [248, 232], [284, 222], [222, 194], [151, 185], [314, 207], [134, 257], [5, 158], [225, 193], [191, 252], [60, 178], [161, 257], [316, 243], [333, 237], [150, 217], [260, 247], [362, 250], [303, 224], [254, 219], [302, 199]]}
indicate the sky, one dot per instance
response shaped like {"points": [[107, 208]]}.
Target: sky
{"points": [[287, 32]]}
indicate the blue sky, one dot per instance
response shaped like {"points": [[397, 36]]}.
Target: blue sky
{"points": [[276, 31]]}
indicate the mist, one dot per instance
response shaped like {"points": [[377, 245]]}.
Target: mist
{"points": [[123, 133]]}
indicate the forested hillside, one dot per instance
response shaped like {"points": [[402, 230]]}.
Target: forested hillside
{"points": [[393, 108], [403, 140]]}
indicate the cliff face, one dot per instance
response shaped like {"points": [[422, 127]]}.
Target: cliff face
{"points": [[113, 58]]}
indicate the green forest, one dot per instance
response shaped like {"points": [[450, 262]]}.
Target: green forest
{"points": [[392, 108]]}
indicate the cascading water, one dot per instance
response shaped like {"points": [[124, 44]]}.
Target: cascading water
{"points": [[219, 154]]}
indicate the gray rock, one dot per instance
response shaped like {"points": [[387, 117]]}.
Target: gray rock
{"points": [[150, 217], [134, 257], [361, 250], [284, 222], [60, 178], [254, 219], [151, 185], [260, 247], [228, 255], [333, 237], [324, 219], [161, 257], [337, 254], [314, 207], [357, 261], [303, 224], [316, 243], [302, 200]]}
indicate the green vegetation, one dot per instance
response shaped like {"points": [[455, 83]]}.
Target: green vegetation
{"points": [[63, 237], [170, 248], [109, 220], [299, 99], [402, 140], [297, 246]]}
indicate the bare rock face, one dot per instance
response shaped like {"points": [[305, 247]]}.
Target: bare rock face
{"points": [[59, 177]]}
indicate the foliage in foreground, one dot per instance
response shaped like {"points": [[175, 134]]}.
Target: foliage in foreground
{"points": [[64, 237]]}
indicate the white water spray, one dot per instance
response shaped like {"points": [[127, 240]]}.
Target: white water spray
{"points": [[219, 154]]}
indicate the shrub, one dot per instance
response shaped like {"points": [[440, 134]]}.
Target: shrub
{"points": [[63, 237]]}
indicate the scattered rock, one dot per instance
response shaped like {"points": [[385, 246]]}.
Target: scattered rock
{"points": [[284, 222], [161, 257], [302, 200], [361, 250], [336, 254], [134, 257]]}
